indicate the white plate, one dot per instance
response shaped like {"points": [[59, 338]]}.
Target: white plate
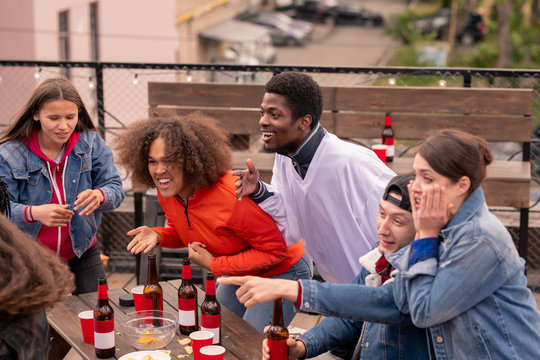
{"points": [[138, 355]]}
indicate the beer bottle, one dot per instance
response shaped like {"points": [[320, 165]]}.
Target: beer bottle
{"points": [[278, 334], [152, 292], [388, 137], [211, 310], [104, 341], [187, 301]]}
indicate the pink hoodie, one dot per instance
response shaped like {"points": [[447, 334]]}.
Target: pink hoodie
{"points": [[55, 238]]}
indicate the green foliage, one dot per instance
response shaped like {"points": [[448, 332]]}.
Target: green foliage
{"points": [[403, 27], [485, 55]]}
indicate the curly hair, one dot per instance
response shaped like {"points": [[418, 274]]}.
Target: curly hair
{"points": [[194, 143], [302, 94], [49, 90], [33, 278]]}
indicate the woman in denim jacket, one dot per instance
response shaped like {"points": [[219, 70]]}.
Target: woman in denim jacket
{"points": [[462, 277], [60, 177]]}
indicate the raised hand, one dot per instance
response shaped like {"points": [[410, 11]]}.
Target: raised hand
{"points": [[199, 255], [297, 349], [145, 239], [434, 212], [255, 290], [247, 182], [52, 215], [90, 200]]}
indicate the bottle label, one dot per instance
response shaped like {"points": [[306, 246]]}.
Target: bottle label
{"points": [[278, 349], [388, 141], [149, 303], [390, 149], [211, 323], [104, 334], [186, 312], [186, 272]]}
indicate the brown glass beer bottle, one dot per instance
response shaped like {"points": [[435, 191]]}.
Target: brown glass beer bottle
{"points": [[388, 137], [104, 341], [278, 334], [187, 301], [152, 292], [211, 310]]}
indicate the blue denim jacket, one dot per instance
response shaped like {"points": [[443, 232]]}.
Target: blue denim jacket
{"points": [[474, 298], [388, 334], [89, 166]]}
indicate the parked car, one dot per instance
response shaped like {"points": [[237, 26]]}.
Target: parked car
{"points": [[238, 42], [312, 10], [282, 29], [352, 14], [331, 10], [469, 27]]}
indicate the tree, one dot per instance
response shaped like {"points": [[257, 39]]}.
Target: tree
{"points": [[504, 10], [535, 13]]}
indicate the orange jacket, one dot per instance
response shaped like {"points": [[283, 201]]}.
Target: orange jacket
{"points": [[241, 237]]}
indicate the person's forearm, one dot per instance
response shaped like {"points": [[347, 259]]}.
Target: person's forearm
{"points": [[288, 289]]}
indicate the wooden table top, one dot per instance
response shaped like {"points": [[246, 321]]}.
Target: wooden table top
{"points": [[241, 340]]}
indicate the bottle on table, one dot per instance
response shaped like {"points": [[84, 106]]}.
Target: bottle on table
{"points": [[152, 292], [104, 341], [188, 321], [278, 334], [388, 137], [211, 310]]}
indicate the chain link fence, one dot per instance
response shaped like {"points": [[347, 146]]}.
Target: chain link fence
{"points": [[116, 95]]}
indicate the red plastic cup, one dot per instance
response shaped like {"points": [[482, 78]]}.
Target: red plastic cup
{"points": [[87, 325], [138, 299], [380, 150], [212, 352], [200, 339]]}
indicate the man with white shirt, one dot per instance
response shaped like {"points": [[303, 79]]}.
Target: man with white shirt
{"points": [[324, 190]]}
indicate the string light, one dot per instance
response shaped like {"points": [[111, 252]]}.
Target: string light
{"points": [[442, 83], [135, 80], [391, 81], [90, 83], [188, 76], [37, 74]]}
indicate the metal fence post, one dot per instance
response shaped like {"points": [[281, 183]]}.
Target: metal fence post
{"points": [[100, 99]]}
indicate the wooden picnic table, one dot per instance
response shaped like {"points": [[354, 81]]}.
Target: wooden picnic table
{"points": [[241, 340]]}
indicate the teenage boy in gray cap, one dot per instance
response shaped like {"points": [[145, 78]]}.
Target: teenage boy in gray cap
{"points": [[365, 307]]}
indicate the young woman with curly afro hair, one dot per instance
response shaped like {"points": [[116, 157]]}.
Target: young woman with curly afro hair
{"points": [[189, 159]]}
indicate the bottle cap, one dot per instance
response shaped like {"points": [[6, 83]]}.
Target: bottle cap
{"points": [[126, 300]]}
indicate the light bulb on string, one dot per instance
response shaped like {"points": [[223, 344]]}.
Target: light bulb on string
{"points": [[90, 83], [135, 79], [37, 74], [189, 78], [391, 81], [442, 83]]}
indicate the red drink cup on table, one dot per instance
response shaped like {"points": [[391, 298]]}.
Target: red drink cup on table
{"points": [[380, 151], [87, 325], [212, 352], [200, 339]]}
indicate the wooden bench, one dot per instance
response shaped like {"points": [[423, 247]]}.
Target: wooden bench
{"points": [[358, 112]]}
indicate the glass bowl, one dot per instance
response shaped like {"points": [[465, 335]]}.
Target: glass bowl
{"points": [[148, 330]]}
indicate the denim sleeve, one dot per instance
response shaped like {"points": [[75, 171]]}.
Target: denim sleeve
{"points": [[331, 332], [16, 208], [462, 279], [105, 175], [374, 304]]}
